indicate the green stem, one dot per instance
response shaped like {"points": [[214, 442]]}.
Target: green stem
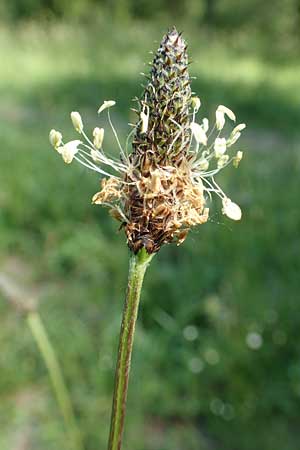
{"points": [[60, 389], [137, 268]]}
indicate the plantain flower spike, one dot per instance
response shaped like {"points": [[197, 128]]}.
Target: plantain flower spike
{"points": [[161, 188]]}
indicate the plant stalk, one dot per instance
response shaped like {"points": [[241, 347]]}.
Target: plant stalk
{"points": [[137, 268], [58, 383]]}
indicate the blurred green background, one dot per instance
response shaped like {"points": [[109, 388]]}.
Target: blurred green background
{"points": [[216, 362]]}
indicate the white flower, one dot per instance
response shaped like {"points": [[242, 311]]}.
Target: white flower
{"points": [[227, 111], [220, 119], [237, 159], [98, 134], [220, 147], [199, 133], [238, 128], [55, 138], [233, 138], [205, 124], [203, 164], [231, 210], [222, 161], [77, 121], [220, 116], [95, 155], [196, 103], [69, 150], [106, 104], [235, 134]]}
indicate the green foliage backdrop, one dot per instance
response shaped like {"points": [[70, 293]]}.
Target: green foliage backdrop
{"points": [[272, 23]]}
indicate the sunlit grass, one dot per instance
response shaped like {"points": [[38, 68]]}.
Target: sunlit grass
{"points": [[37, 58]]}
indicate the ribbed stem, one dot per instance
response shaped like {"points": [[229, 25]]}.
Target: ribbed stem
{"points": [[59, 387], [137, 268]]}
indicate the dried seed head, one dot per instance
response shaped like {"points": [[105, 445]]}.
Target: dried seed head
{"points": [[110, 191]]}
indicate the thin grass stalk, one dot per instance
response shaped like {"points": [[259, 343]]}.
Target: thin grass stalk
{"points": [[137, 268], [48, 354]]}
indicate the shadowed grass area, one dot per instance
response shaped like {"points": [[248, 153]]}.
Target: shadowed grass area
{"points": [[73, 67], [198, 382]]}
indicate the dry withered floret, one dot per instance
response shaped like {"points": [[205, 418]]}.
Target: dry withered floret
{"points": [[161, 187]]}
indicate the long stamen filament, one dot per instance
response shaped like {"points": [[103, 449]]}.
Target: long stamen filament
{"points": [[115, 134]]}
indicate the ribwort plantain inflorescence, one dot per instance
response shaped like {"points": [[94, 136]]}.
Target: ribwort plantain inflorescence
{"points": [[160, 189]]}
